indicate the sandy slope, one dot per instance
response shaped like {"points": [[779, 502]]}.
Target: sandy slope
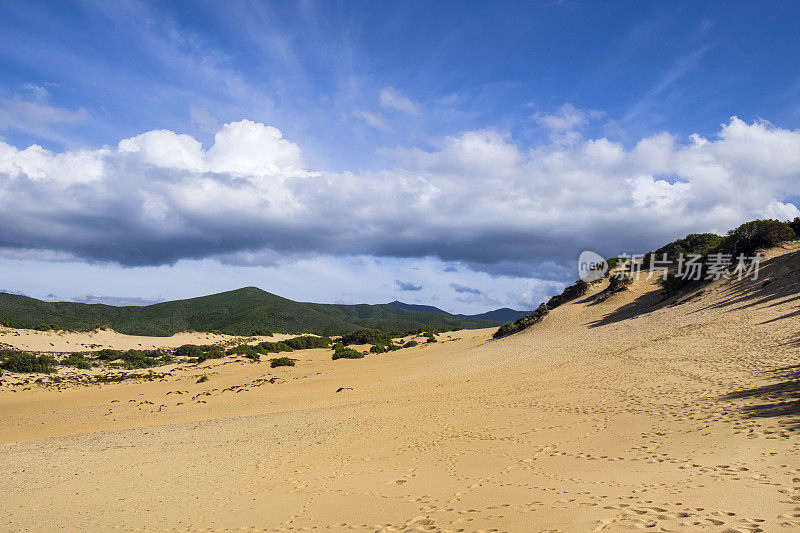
{"points": [[619, 415]]}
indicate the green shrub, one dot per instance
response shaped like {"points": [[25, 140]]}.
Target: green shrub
{"points": [[262, 333], [76, 360], [752, 236], [378, 349], [206, 351], [188, 350], [347, 353], [431, 337], [505, 330], [618, 283], [202, 379], [107, 354], [255, 357], [307, 342], [137, 359], [795, 225], [611, 263], [46, 327], [410, 344], [576, 290], [215, 352], [15, 361], [522, 323], [281, 361], [367, 336], [243, 349], [694, 243], [273, 347]]}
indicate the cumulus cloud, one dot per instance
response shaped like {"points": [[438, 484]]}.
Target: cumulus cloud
{"points": [[394, 99], [480, 198], [407, 286], [243, 148]]}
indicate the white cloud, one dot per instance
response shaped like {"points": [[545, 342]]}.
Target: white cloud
{"points": [[376, 120], [248, 147], [568, 117], [394, 99], [479, 198], [163, 148], [244, 147], [36, 117]]}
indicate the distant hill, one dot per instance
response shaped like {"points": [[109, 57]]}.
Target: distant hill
{"points": [[416, 307], [502, 315], [238, 312]]}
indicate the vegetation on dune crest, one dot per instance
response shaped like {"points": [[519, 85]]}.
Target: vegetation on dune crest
{"points": [[756, 235], [523, 323], [745, 240], [570, 293], [695, 243], [281, 361], [617, 283], [795, 225]]}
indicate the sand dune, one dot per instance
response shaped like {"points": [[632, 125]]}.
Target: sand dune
{"points": [[71, 341], [624, 414]]}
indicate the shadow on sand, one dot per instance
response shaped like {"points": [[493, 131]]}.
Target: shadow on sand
{"points": [[779, 400], [778, 284]]}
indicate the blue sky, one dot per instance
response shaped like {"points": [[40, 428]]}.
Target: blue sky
{"points": [[400, 124]]}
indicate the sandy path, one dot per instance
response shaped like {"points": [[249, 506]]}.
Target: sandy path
{"points": [[603, 417]]}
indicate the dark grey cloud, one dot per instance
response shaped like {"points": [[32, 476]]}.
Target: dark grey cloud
{"points": [[407, 285], [480, 200], [463, 289]]}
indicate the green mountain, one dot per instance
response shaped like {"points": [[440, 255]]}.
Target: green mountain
{"points": [[502, 315], [239, 312]]}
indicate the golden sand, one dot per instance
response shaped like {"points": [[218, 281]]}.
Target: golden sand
{"points": [[620, 415]]}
